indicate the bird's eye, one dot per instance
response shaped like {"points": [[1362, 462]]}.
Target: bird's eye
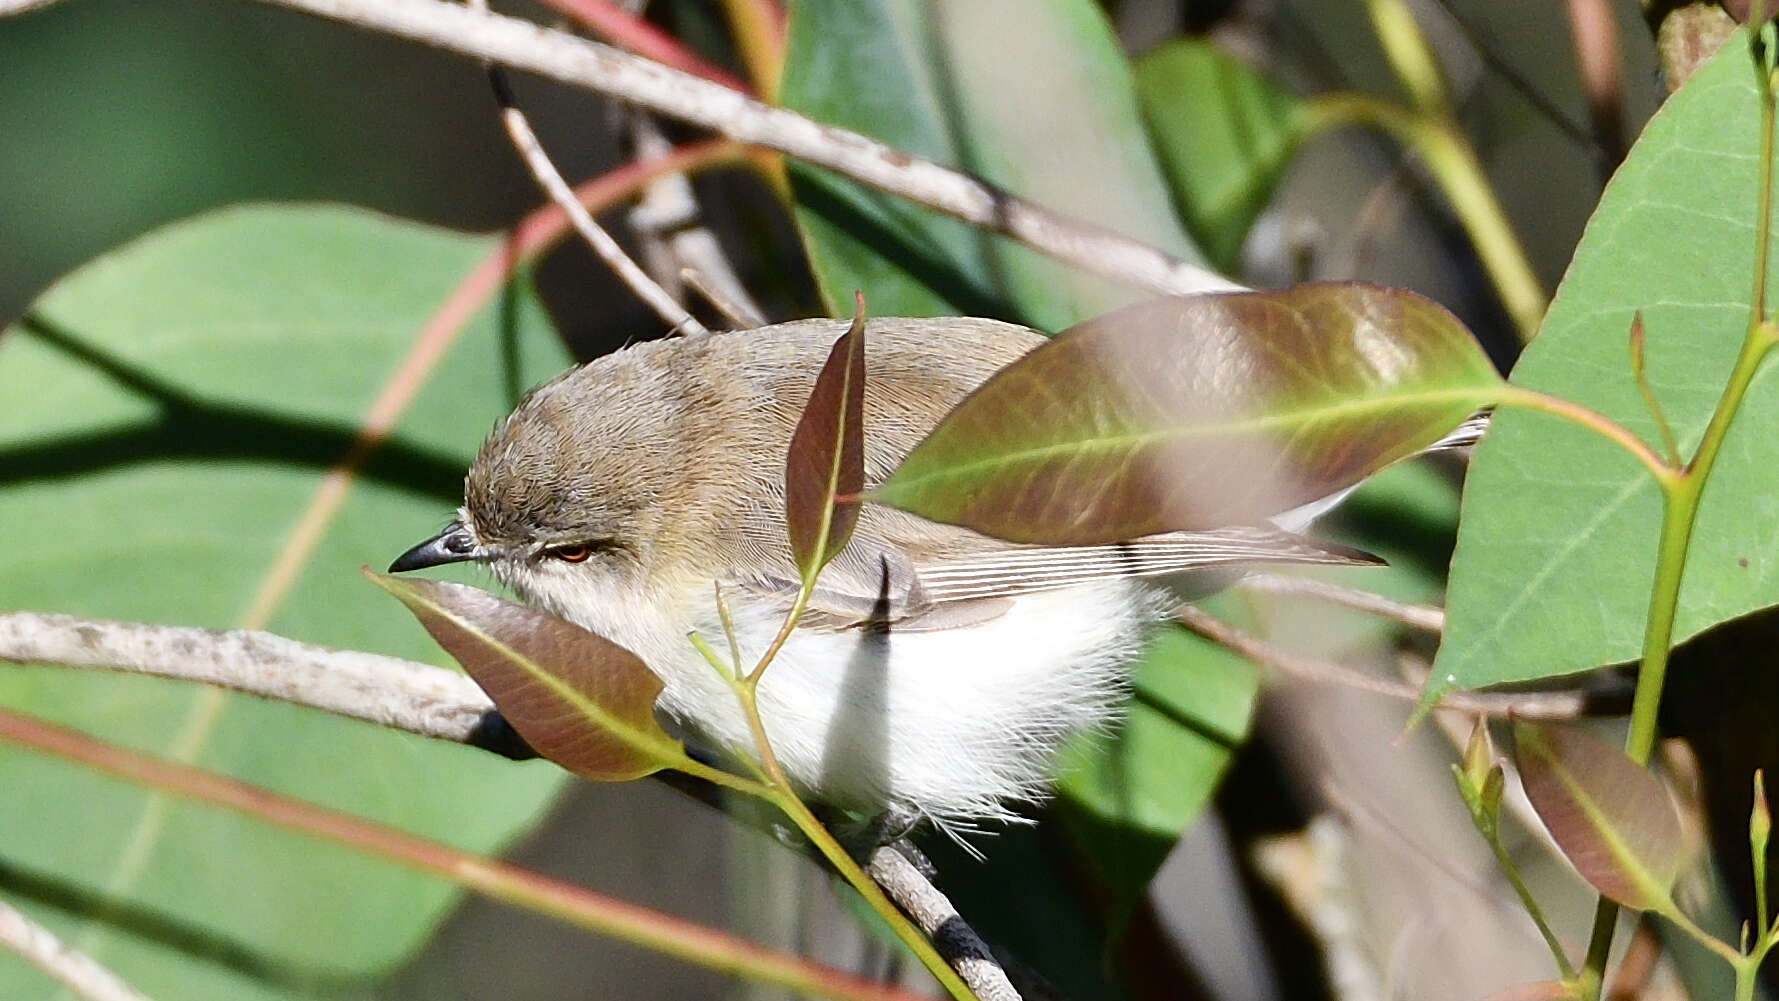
{"points": [[572, 554]]}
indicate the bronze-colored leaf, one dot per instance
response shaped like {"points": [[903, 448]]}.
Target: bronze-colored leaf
{"points": [[827, 455], [1197, 413], [1611, 818], [579, 699]]}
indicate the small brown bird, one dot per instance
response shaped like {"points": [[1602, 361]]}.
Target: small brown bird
{"points": [[938, 670]]}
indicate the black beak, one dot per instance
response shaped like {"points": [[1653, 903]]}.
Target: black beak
{"points": [[453, 545]]}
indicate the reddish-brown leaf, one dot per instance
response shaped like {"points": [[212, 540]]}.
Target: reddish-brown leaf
{"points": [[827, 455], [1611, 818], [579, 699], [1197, 413]]}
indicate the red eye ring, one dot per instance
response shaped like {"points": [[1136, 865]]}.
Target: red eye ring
{"points": [[572, 554]]}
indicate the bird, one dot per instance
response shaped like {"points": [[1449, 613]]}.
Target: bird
{"points": [[936, 672]]}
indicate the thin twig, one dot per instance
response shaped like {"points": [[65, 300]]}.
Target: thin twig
{"points": [[1427, 618], [1534, 705], [904, 882], [523, 45], [398, 694], [667, 216], [661, 211], [740, 316], [72, 969], [604, 246]]}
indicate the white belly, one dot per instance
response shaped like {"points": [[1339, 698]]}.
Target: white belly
{"points": [[948, 724]]}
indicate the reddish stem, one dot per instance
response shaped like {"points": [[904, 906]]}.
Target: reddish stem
{"points": [[627, 31], [619, 919]]}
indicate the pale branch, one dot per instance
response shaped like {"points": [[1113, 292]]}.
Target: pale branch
{"points": [[73, 969], [522, 45], [401, 695], [398, 694], [1524, 705], [1427, 618], [904, 882], [740, 315], [666, 219]]}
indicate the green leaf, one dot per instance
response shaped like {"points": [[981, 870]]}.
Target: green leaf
{"points": [[1197, 413], [1611, 818], [1034, 95], [1224, 134], [826, 459], [577, 698], [1126, 798], [166, 413], [1556, 549]]}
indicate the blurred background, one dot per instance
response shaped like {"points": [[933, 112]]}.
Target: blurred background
{"points": [[118, 116]]}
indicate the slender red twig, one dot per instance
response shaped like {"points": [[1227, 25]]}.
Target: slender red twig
{"points": [[627, 31], [596, 912]]}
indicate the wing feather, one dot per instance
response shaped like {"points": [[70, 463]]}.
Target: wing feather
{"points": [[1019, 571], [871, 582]]}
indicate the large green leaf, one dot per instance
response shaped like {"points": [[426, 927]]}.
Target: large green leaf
{"points": [[1224, 134], [165, 413], [1556, 548], [1034, 95]]}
